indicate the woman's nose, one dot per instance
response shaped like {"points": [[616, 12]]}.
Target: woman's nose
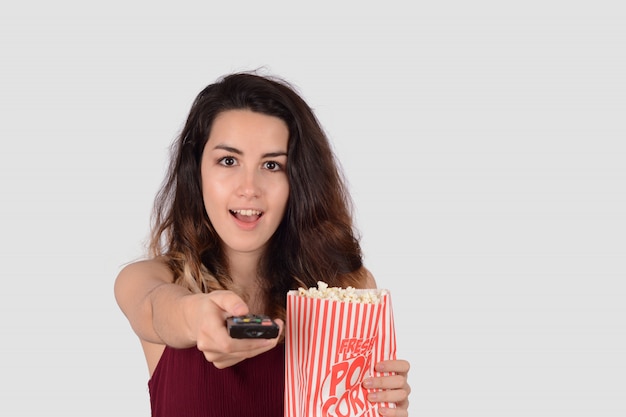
{"points": [[249, 184]]}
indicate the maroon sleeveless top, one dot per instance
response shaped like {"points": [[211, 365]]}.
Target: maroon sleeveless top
{"points": [[185, 384]]}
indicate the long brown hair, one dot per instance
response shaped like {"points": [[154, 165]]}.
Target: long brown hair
{"points": [[316, 239]]}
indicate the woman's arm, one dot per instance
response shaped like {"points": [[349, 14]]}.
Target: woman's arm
{"points": [[161, 312], [153, 305]]}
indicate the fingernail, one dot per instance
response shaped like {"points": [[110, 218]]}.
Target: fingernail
{"points": [[372, 397], [368, 383]]}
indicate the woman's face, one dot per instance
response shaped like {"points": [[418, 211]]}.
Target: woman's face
{"points": [[244, 179]]}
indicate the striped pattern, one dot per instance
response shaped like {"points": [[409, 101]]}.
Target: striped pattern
{"points": [[330, 346]]}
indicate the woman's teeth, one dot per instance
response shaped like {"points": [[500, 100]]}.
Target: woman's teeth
{"points": [[247, 212]]}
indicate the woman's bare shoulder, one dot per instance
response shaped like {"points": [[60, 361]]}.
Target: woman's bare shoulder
{"points": [[152, 266], [368, 280], [139, 276]]}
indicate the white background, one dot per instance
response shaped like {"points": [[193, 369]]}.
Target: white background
{"points": [[484, 146]]}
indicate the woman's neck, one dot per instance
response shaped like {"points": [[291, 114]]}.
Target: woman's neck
{"points": [[243, 269]]}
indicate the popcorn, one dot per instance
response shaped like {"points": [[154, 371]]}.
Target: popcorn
{"points": [[334, 337], [349, 294]]}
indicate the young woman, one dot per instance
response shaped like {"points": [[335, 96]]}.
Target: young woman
{"points": [[253, 206]]}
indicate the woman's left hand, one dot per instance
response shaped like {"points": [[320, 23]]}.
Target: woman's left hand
{"points": [[395, 387]]}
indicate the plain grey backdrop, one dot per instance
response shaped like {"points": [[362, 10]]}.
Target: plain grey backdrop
{"points": [[483, 142]]}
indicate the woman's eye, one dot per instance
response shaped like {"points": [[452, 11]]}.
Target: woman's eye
{"points": [[272, 166], [228, 161]]}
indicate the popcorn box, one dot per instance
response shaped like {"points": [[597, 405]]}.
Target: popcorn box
{"points": [[331, 345]]}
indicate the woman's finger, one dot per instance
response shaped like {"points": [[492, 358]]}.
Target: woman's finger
{"points": [[396, 365]]}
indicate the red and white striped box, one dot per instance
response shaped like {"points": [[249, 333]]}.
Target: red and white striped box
{"points": [[331, 346]]}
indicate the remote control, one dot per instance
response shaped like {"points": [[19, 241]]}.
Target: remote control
{"points": [[252, 326]]}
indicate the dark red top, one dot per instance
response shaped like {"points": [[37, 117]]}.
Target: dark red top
{"points": [[185, 384]]}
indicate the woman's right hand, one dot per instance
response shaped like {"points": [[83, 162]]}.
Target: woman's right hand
{"points": [[206, 316]]}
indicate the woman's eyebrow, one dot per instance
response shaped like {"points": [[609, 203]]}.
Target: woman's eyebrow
{"points": [[274, 154], [239, 152], [228, 149]]}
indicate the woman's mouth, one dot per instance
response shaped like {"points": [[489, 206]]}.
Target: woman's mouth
{"points": [[246, 215]]}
